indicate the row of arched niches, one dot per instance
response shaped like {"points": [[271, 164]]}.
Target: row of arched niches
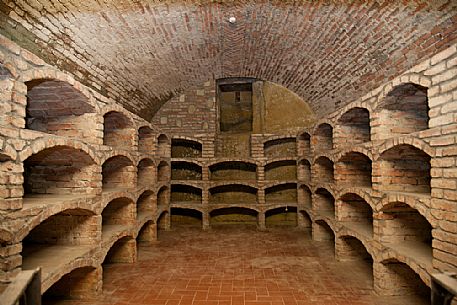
{"points": [[362, 180], [91, 180]]}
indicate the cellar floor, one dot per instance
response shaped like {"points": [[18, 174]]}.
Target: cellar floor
{"points": [[233, 265]]}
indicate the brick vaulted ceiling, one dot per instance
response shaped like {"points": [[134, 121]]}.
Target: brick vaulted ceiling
{"points": [[141, 52]]}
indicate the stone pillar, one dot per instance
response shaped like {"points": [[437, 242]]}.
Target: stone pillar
{"points": [[205, 220], [261, 221], [125, 252]]}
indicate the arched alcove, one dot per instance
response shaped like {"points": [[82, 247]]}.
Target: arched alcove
{"points": [[233, 170], [118, 172], [185, 194], [146, 140], [281, 170], [284, 147], [118, 130], [322, 139], [56, 107], [353, 128], [354, 169], [324, 203], [60, 170], [184, 148], [304, 171], [146, 172], [282, 216], [234, 215], [403, 111], [181, 170], [356, 213], [284, 193], [146, 204], [233, 193], [304, 145], [186, 217], [323, 171], [304, 196], [163, 171], [79, 284], [405, 168]]}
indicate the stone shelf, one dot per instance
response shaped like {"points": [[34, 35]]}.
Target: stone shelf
{"points": [[418, 252], [52, 259], [360, 228]]}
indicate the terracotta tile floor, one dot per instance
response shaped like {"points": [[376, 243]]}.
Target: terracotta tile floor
{"points": [[238, 266]]}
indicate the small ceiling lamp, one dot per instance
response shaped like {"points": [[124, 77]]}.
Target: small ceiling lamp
{"points": [[232, 20]]}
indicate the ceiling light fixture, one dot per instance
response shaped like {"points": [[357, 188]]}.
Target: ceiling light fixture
{"points": [[232, 20]]}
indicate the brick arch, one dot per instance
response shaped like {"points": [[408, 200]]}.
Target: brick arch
{"points": [[49, 211], [141, 225], [120, 109], [141, 124], [413, 78], [236, 160], [240, 206], [322, 122], [389, 256], [7, 69], [160, 212], [361, 193], [362, 150], [328, 187], [276, 159], [325, 155], [330, 224], [80, 262], [143, 158], [368, 247], [130, 198], [363, 103], [8, 153], [310, 215], [47, 73], [216, 184], [410, 200], [279, 137], [186, 207], [277, 183], [191, 161], [187, 138], [45, 143], [6, 237], [117, 153], [113, 240], [414, 142], [279, 205]]}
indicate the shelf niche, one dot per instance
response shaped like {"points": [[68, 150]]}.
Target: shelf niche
{"points": [[233, 170], [186, 194], [281, 170], [354, 169], [322, 139], [323, 171], [233, 193], [181, 170], [281, 193], [61, 170], [405, 168], [403, 111], [353, 128], [233, 216], [324, 203], [281, 217], [118, 130], [118, 172], [186, 217], [183, 148], [56, 107], [284, 147]]}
